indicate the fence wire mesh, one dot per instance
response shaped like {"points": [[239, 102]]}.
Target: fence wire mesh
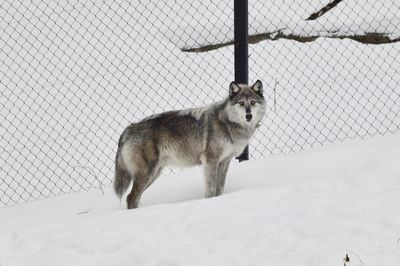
{"points": [[74, 74]]}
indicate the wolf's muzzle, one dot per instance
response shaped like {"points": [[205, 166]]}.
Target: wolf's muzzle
{"points": [[249, 117]]}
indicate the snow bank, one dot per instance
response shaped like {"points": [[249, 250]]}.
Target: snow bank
{"points": [[309, 208]]}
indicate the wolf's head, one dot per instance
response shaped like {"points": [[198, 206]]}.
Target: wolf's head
{"points": [[247, 104]]}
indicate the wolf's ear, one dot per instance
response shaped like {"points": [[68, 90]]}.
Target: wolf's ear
{"points": [[234, 88], [258, 87]]}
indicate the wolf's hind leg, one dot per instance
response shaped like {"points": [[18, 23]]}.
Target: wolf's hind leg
{"points": [[141, 182], [221, 176]]}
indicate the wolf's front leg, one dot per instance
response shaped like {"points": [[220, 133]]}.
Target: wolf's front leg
{"points": [[211, 173], [221, 176]]}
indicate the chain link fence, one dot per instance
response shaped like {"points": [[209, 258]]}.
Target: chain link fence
{"points": [[74, 74]]}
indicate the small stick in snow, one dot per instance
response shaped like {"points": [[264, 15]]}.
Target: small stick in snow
{"points": [[346, 260]]}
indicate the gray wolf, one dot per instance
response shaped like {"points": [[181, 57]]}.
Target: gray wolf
{"points": [[209, 136]]}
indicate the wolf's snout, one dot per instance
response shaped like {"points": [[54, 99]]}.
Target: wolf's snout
{"points": [[249, 117]]}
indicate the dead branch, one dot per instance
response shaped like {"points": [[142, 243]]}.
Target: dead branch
{"points": [[367, 38], [323, 10]]}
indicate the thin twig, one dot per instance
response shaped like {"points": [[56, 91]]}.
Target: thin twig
{"points": [[362, 263], [323, 10], [90, 170]]}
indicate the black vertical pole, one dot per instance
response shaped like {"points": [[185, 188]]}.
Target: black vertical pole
{"points": [[241, 51]]}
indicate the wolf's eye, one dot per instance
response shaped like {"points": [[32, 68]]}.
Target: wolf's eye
{"points": [[241, 103], [253, 102]]}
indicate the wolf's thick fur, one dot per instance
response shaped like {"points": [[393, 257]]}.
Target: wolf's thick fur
{"points": [[210, 136]]}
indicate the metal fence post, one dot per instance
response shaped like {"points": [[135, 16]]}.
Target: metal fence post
{"points": [[241, 51]]}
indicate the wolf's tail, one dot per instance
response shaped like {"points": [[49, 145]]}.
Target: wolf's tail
{"points": [[122, 178]]}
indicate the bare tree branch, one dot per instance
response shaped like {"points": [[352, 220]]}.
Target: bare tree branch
{"points": [[367, 38]]}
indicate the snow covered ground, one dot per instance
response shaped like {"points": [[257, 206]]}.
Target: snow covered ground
{"points": [[308, 208]]}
